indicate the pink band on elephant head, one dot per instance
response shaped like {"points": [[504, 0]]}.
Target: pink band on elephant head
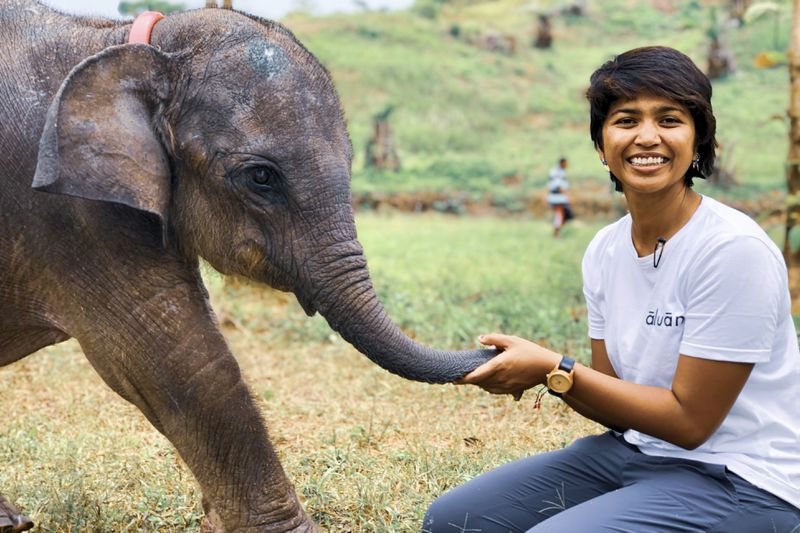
{"points": [[143, 27]]}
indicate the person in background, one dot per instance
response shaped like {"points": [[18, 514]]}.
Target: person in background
{"points": [[557, 186], [695, 362]]}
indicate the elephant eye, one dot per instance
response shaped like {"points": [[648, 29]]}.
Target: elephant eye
{"points": [[262, 177]]}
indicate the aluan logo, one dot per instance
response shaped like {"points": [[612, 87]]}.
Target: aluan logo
{"points": [[655, 318]]}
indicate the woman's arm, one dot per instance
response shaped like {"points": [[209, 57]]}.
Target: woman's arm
{"points": [[701, 395], [602, 364]]}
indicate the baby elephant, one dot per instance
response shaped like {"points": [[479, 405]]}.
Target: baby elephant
{"points": [[214, 134]]}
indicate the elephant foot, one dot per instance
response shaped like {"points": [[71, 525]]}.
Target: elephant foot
{"points": [[211, 523], [11, 521]]}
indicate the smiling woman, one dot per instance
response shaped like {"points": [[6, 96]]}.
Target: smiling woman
{"points": [[694, 351], [648, 138]]}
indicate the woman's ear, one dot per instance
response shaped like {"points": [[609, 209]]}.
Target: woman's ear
{"points": [[99, 141], [602, 157]]}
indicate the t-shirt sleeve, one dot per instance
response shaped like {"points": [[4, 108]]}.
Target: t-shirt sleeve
{"points": [[592, 290], [735, 294]]}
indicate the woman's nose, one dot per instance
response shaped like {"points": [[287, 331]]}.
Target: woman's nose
{"points": [[648, 134]]}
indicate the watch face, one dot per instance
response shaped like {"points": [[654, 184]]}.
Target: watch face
{"points": [[559, 382]]}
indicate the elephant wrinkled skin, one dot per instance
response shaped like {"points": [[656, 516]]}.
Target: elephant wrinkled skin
{"points": [[121, 166]]}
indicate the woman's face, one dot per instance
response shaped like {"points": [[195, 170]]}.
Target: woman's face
{"points": [[648, 143]]}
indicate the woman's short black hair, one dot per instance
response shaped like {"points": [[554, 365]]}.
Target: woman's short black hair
{"points": [[658, 71]]}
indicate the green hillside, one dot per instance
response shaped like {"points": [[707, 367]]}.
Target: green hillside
{"points": [[464, 117]]}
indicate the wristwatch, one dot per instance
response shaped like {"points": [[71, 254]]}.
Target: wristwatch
{"points": [[559, 380]]}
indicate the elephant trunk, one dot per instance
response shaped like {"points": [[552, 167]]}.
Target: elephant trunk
{"points": [[346, 298]]}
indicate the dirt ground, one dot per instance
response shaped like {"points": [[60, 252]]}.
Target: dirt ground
{"points": [[590, 201]]}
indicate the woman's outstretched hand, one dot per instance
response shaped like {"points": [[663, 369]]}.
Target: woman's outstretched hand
{"points": [[522, 364]]}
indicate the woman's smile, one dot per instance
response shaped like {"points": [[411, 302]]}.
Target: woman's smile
{"points": [[646, 160]]}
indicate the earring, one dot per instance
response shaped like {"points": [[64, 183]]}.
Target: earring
{"points": [[696, 162], [605, 165]]}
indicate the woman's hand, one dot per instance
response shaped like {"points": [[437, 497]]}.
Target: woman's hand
{"points": [[522, 364]]}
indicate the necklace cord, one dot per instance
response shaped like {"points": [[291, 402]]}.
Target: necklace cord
{"points": [[658, 251]]}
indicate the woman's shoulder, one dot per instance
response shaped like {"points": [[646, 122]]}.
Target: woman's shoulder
{"points": [[729, 219], [733, 236], [725, 222], [615, 230], [609, 237]]}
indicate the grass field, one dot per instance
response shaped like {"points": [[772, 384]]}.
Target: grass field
{"points": [[367, 450], [464, 117]]}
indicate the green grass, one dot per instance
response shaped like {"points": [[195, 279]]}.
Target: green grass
{"points": [[367, 450], [478, 275], [464, 117]]}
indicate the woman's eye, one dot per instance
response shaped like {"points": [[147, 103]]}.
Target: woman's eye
{"points": [[626, 122]]}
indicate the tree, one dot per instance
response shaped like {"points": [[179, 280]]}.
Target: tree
{"points": [[544, 32], [135, 7], [791, 246], [381, 151]]}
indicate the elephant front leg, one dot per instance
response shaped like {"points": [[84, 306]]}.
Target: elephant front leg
{"points": [[244, 485], [11, 520], [194, 394]]}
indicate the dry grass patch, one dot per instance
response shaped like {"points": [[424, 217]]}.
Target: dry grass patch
{"points": [[367, 450]]}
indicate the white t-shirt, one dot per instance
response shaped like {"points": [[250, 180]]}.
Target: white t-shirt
{"points": [[557, 186], [720, 292]]}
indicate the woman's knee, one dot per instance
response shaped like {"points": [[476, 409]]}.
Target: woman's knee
{"points": [[446, 509]]}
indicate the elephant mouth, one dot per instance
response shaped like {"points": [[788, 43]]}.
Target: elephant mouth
{"points": [[305, 301], [309, 308]]}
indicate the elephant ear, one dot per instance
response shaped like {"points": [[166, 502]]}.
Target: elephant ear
{"points": [[99, 140]]}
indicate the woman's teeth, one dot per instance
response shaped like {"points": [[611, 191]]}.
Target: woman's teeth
{"points": [[648, 161]]}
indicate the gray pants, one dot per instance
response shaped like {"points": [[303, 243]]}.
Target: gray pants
{"points": [[602, 483]]}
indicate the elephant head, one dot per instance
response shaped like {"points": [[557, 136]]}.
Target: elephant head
{"points": [[229, 136]]}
